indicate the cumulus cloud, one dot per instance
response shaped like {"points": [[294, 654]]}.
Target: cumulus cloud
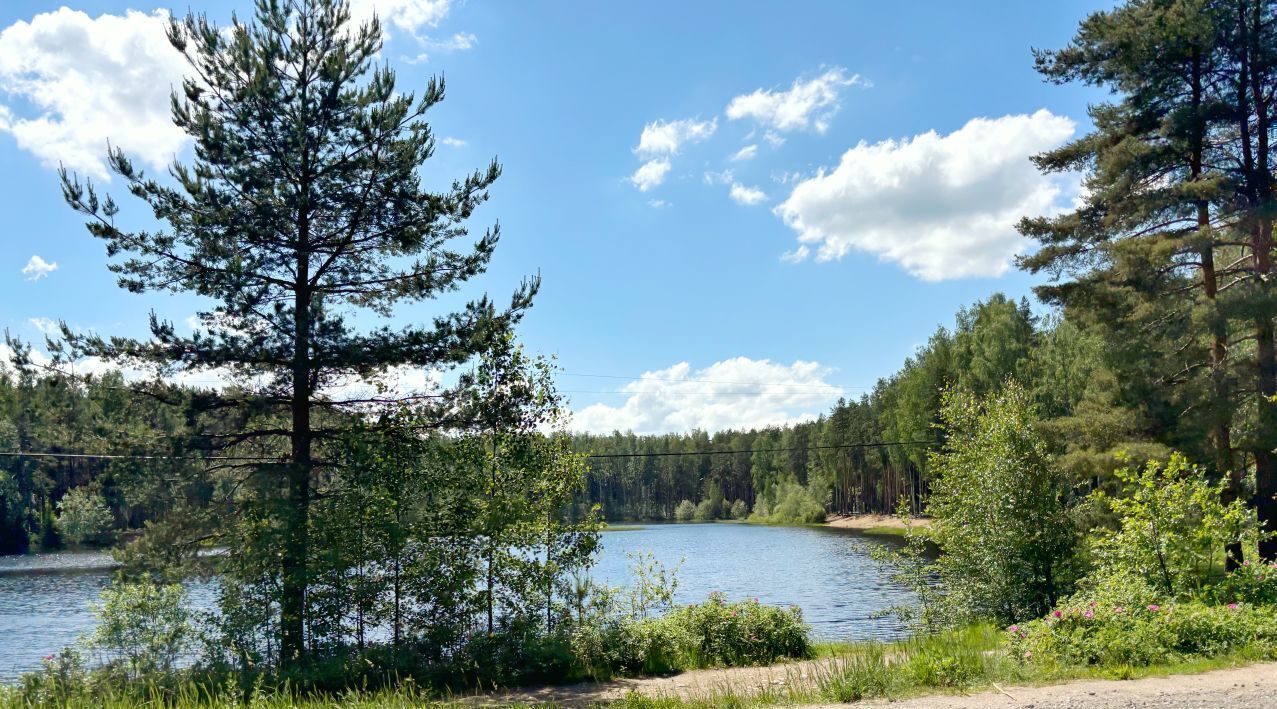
{"points": [[38, 268], [650, 174], [69, 83], [805, 104], [749, 152], [668, 137], [411, 16], [940, 206], [741, 194], [734, 393], [453, 142]]}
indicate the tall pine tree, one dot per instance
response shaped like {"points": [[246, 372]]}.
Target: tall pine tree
{"points": [[304, 205]]}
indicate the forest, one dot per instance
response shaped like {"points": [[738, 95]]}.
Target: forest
{"points": [[868, 453]]}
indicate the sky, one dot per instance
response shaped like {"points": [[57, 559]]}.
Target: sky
{"points": [[740, 211]]}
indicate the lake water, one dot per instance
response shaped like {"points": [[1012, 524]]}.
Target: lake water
{"points": [[45, 599]]}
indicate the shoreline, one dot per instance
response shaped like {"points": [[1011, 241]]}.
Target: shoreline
{"points": [[872, 521]]}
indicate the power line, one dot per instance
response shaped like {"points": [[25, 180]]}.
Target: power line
{"points": [[123, 456], [878, 444], [260, 459]]}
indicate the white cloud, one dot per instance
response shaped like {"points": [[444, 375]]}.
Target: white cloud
{"points": [[719, 178], [657, 203], [411, 16], [70, 83], [774, 139], [458, 42], [941, 206], [746, 153], [650, 174], [806, 104], [46, 326], [737, 393], [38, 268], [453, 142], [667, 137], [741, 194]]}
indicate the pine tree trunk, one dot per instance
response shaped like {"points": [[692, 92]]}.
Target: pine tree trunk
{"points": [[297, 517]]}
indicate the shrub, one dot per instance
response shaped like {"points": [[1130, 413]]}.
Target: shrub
{"points": [[788, 502], [684, 510], [711, 634], [84, 518], [1172, 526], [144, 628], [1101, 634], [735, 634], [1000, 508], [739, 510], [1248, 583], [706, 511]]}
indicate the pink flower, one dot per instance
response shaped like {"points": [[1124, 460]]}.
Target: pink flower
{"points": [[1013, 629], [1058, 614], [1119, 609], [1232, 606], [1028, 654], [1154, 607], [47, 658], [1089, 614], [1094, 603]]}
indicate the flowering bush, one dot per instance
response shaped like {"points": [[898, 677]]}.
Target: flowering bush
{"points": [[1248, 583], [1103, 633]]}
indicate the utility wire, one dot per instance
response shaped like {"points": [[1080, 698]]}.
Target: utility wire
{"points": [[262, 459], [878, 444], [122, 456]]}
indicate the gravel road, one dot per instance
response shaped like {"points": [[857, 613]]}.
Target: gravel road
{"points": [[1253, 687]]}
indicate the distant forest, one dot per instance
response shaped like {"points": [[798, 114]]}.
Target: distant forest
{"points": [[1096, 395], [1095, 399]]}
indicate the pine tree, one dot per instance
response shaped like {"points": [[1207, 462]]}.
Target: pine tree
{"points": [[304, 205], [1171, 248]]}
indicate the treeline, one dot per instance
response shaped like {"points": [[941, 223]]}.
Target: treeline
{"points": [[868, 453], [49, 501]]}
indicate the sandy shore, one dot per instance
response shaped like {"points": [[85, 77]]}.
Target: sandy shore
{"points": [[870, 521]]}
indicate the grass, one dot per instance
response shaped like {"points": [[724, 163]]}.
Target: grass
{"points": [[971, 659], [886, 531], [623, 528]]}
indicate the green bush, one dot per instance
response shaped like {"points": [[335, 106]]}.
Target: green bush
{"points": [[84, 518], [706, 511], [710, 634], [684, 511], [1101, 634], [739, 510], [722, 634], [1173, 526], [1248, 583]]}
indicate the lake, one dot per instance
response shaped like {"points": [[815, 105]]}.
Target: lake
{"points": [[45, 599]]}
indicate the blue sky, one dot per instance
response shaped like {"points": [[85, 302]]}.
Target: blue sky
{"points": [[739, 210]]}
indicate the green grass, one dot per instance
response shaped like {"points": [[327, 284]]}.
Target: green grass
{"points": [[961, 661], [886, 531], [623, 528]]}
